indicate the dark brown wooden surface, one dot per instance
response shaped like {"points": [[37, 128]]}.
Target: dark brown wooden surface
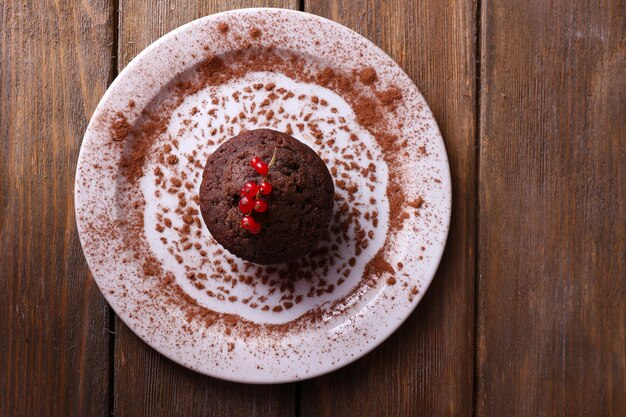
{"points": [[552, 287], [55, 62], [527, 314], [426, 367]]}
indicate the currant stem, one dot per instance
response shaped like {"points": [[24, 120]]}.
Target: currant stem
{"points": [[272, 161]]}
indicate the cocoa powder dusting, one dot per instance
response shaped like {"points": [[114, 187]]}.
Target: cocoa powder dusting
{"points": [[417, 203], [369, 109], [120, 128], [132, 162], [390, 97], [368, 76], [255, 33], [151, 266], [378, 266]]}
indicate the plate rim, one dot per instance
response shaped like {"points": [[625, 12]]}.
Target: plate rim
{"points": [[380, 337]]}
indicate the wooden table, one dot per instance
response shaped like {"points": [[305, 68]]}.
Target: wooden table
{"points": [[527, 314]]}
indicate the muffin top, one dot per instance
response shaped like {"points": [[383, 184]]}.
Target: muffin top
{"points": [[290, 220]]}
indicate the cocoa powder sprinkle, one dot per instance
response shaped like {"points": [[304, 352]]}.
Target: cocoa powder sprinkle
{"points": [[370, 113], [120, 128], [255, 33], [368, 76]]}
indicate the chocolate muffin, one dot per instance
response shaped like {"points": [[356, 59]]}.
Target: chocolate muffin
{"points": [[293, 216]]}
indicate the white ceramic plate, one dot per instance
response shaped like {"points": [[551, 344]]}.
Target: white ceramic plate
{"points": [[157, 264]]}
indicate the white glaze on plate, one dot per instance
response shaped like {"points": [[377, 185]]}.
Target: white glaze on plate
{"points": [[192, 125], [350, 327]]}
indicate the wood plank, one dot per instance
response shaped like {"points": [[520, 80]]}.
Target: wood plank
{"points": [[552, 299], [147, 383], [55, 62], [426, 367]]}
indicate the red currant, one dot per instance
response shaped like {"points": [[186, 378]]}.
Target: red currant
{"points": [[265, 187], [247, 222], [255, 228], [250, 189], [260, 206], [249, 195], [246, 205], [262, 168]]}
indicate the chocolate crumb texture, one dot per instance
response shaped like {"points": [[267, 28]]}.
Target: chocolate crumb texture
{"points": [[300, 204]]}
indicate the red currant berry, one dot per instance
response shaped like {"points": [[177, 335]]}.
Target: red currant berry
{"points": [[255, 161], [250, 189], [265, 187], [255, 228], [262, 168], [247, 222], [260, 206], [246, 205]]}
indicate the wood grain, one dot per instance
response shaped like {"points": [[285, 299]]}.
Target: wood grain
{"points": [[551, 214], [426, 367], [552, 299], [55, 62], [147, 383]]}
